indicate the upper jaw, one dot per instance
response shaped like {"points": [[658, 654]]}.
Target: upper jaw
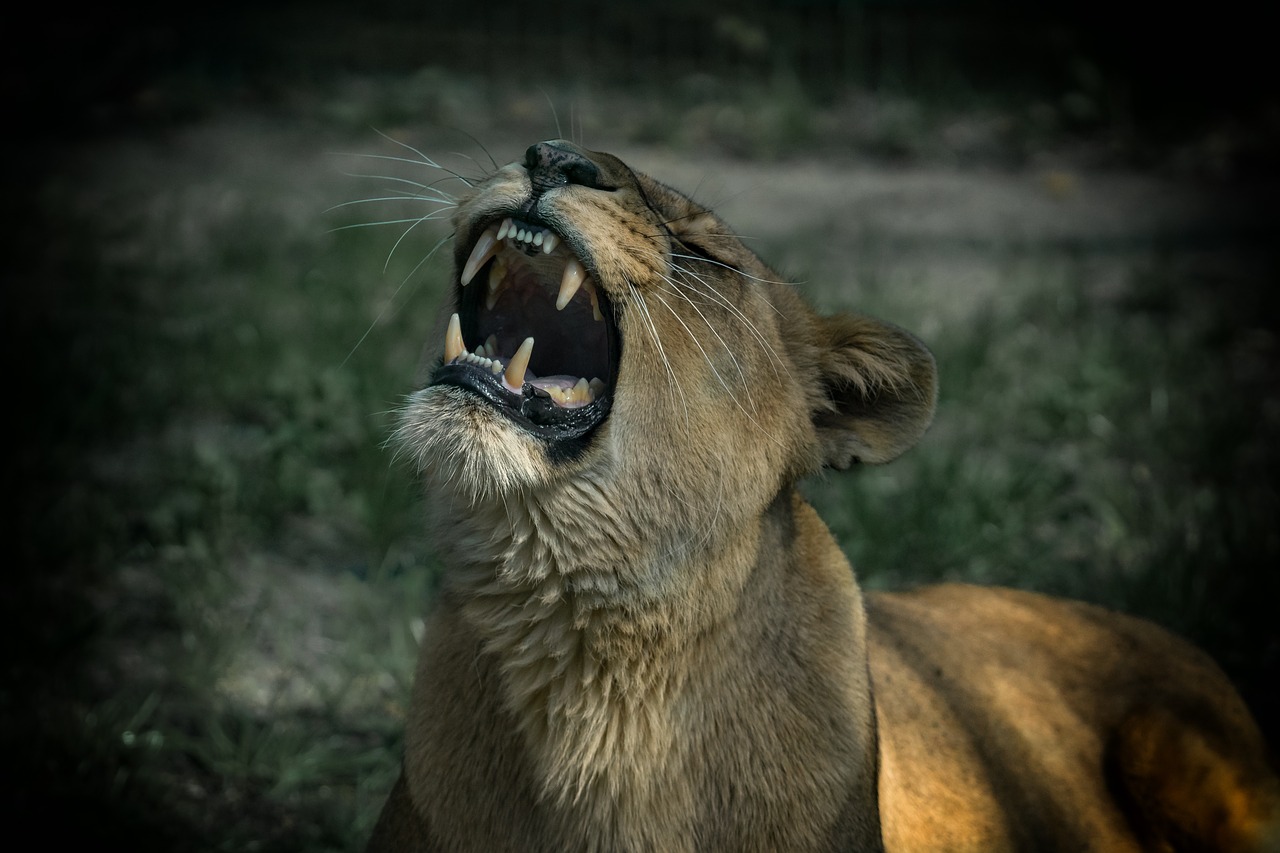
{"points": [[533, 336]]}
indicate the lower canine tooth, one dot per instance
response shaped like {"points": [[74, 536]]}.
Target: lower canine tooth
{"points": [[514, 377], [453, 344]]}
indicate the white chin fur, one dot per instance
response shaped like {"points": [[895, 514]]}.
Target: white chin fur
{"points": [[462, 445]]}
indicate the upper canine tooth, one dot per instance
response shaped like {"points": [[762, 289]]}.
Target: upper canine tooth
{"points": [[570, 281], [497, 273], [482, 252], [590, 287], [514, 377], [453, 345]]}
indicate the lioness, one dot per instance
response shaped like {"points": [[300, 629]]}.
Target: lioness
{"points": [[649, 641]]}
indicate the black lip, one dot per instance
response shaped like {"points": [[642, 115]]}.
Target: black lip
{"points": [[566, 431], [536, 413]]}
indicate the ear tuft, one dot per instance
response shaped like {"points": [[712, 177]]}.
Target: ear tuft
{"points": [[880, 386]]}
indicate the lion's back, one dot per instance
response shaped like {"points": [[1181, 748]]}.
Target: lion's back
{"points": [[1014, 720]]}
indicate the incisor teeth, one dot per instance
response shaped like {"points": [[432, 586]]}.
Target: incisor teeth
{"points": [[483, 251], [514, 376], [505, 228], [549, 243], [453, 344], [570, 281]]}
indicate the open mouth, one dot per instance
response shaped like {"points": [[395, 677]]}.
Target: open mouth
{"points": [[543, 344]]}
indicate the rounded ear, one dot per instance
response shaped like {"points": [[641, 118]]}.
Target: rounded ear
{"points": [[881, 387]]}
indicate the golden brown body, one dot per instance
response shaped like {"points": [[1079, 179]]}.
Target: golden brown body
{"points": [[1009, 721], [649, 641]]}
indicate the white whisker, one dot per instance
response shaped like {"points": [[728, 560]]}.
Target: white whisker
{"points": [[732, 269], [710, 327], [434, 215], [432, 187], [373, 199], [708, 290], [674, 387], [714, 370], [395, 293]]}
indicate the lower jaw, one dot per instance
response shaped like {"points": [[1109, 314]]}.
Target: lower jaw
{"points": [[564, 432]]}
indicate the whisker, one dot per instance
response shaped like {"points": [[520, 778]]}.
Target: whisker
{"points": [[436, 214], [449, 204], [710, 327], [394, 294], [714, 370], [479, 145], [731, 268], [422, 158], [674, 386], [713, 294], [652, 255], [428, 161], [400, 240], [452, 174], [433, 186], [483, 172], [719, 298], [556, 116]]}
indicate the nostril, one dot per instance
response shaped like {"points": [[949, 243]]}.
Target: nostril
{"points": [[553, 165], [585, 174], [531, 158]]}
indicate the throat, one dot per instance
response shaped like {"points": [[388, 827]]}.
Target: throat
{"points": [[588, 656]]}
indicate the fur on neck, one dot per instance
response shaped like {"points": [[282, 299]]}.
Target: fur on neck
{"points": [[588, 622]]}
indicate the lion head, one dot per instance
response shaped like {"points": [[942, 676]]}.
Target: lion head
{"points": [[607, 330]]}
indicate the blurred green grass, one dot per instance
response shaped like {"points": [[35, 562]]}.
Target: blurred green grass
{"points": [[220, 358]]}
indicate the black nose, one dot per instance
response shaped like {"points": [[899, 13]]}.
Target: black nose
{"points": [[550, 165]]}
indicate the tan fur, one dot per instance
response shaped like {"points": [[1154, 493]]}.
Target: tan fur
{"points": [[657, 645]]}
